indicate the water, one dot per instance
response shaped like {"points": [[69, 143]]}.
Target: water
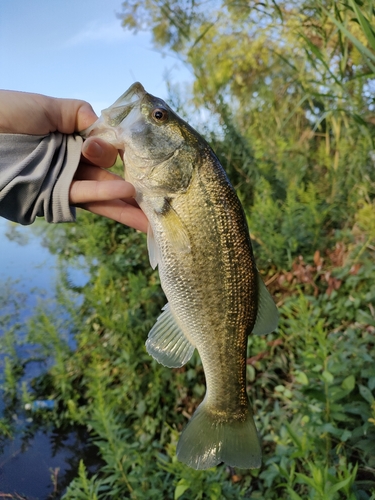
{"points": [[40, 465], [24, 260], [37, 462], [28, 264]]}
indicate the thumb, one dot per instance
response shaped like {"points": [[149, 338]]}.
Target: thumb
{"points": [[72, 115]]}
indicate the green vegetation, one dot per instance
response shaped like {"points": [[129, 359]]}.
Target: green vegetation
{"points": [[289, 88]]}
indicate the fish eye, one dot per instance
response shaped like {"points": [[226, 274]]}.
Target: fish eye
{"points": [[160, 115]]}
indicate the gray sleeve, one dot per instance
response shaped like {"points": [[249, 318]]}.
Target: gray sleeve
{"points": [[35, 175]]}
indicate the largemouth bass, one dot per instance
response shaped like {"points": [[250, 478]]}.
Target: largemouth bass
{"points": [[199, 239]]}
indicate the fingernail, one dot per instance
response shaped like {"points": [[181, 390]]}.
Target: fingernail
{"points": [[92, 149]]}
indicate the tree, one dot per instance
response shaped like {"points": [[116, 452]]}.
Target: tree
{"points": [[291, 85]]}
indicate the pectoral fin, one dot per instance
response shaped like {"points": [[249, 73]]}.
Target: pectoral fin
{"points": [[153, 251], [268, 316], [167, 343], [175, 233], [175, 230]]}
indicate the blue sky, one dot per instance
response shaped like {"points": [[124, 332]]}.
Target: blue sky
{"points": [[78, 49]]}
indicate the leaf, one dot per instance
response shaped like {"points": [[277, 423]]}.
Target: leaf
{"points": [[356, 408], [181, 487], [301, 378], [348, 383], [202, 35], [366, 393], [367, 445], [362, 49], [340, 416], [331, 429], [319, 55], [327, 376], [338, 486], [294, 436], [371, 383], [336, 393], [307, 480], [359, 119], [365, 25], [215, 491], [293, 495], [345, 436]]}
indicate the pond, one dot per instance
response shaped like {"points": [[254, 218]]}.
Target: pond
{"points": [[36, 461]]}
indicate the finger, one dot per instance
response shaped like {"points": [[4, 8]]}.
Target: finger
{"points": [[91, 172], [86, 191], [120, 211], [68, 115], [86, 116], [99, 152]]}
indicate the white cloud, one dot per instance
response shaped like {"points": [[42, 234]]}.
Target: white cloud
{"points": [[96, 32]]}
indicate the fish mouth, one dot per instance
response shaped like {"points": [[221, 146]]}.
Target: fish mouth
{"points": [[117, 112], [124, 104], [134, 93]]}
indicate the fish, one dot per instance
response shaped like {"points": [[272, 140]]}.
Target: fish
{"points": [[199, 239]]}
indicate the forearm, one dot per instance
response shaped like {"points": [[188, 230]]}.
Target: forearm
{"points": [[35, 176]]}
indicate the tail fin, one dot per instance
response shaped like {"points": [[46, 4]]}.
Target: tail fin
{"points": [[205, 442]]}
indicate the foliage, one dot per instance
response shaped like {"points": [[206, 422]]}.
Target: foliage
{"points": [[11, 363], [312, 383], [288, 91], [291, 86]]}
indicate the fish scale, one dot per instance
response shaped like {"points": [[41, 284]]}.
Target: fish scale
{"points": [[198, 238], [224, 280]]}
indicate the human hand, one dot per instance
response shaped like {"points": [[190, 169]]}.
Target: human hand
{"points": [[102, 192], [92, 188]]}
